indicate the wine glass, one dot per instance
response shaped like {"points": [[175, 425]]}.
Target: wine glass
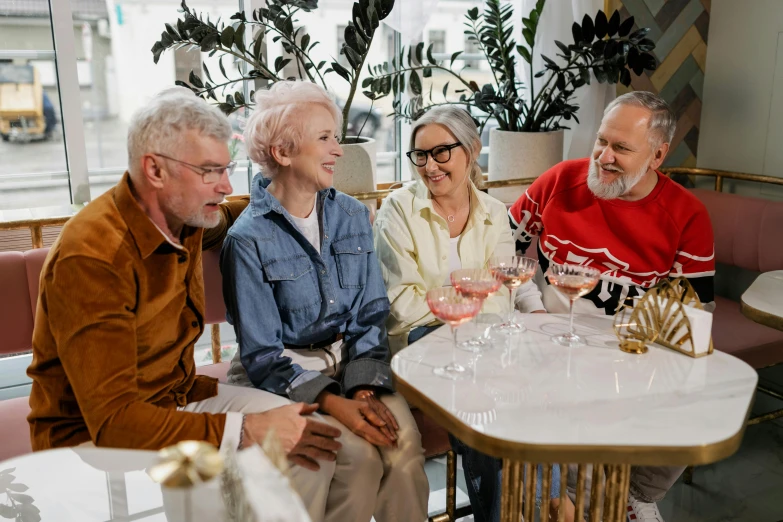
{"points": [[513, 272], [479, 284], [573, 281], [453, 308]]}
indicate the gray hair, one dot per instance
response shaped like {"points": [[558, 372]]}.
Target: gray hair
{"points": [[662, 122], [159, 125], [462, 126]]}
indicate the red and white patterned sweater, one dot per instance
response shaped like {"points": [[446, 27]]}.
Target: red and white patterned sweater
{"points": [[634, 244]]}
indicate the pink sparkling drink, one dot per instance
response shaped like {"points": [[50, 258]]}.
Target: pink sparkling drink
{"points": [[453, 308]]}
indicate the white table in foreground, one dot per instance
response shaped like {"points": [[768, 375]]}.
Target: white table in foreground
{"points": [[763, 300], [100, 485], [530, 400]]}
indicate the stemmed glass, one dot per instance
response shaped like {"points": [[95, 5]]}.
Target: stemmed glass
{"points": [[513, 272], [573, 281], [453, 308], [479, 284]]}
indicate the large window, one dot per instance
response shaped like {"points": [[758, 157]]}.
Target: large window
{"points": [[33, 169], [61, 146]]}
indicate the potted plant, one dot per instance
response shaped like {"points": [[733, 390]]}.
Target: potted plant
{"points": [[244, 40], [529, 135]]}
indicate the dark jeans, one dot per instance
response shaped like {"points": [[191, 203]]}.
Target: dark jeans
{"points": [[419, 332]]}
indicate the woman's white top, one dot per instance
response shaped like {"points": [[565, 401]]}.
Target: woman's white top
{"points": [[309, 228]]}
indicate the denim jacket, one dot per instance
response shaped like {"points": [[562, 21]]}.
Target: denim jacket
{"points": [[279, 290]]}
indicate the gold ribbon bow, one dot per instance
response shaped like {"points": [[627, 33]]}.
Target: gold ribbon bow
{"points": [[186, 463]]}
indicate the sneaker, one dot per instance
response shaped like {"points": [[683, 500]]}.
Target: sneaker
{"points": [[639, 511]]}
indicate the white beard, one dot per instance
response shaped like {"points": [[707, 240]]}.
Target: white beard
{"points": [[617, 188]]}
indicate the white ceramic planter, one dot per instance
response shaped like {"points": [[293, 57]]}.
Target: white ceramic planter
{"points": [[521, 155], [355, 171]]}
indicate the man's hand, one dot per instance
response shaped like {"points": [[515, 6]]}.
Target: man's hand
{"points": [[304, 439], [357, 416], [380, 409]]}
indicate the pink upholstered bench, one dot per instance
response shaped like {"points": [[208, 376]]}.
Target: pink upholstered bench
{"points": [[748, 236]]}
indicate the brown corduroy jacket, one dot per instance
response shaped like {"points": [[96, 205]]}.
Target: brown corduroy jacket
{"points": [[119, 310]]}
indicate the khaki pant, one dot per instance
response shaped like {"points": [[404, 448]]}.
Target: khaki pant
{"points": [[365, 481]]}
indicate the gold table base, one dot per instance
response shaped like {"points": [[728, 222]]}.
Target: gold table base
{"points": [[608, 492]]}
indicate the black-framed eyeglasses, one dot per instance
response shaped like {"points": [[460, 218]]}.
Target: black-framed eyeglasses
{"points": [[441, 154], [209, 175]]}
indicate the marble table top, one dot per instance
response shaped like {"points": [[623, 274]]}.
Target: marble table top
{"points": [[763, 300], [529, 398], [86, 484]]}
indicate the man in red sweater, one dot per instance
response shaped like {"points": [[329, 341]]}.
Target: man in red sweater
{"points": [[614, 211]]}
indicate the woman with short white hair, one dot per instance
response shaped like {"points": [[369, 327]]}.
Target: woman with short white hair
{"points": [[304, 292]]}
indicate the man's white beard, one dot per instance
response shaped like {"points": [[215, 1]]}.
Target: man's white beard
{"points": [[617, 188]]}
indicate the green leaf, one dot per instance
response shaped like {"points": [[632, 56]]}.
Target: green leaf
{"points": [[258, 47], [194, 79], [227, 37], [415, 83], [426, 72], [174, 34], [625, 27], [419, 49], [342, 71], [445, 89], [454, 57], [522, 50], [209, 42], [222, 69], [639, 34], [206, 71], [534, 19], [614, 23], [528, 23], [601, 24], [429, 56], [646, 45], [585, 76], [625, 77], [588, 30], [563, 47], [576, 32], [529, 37], [239, 38], [280, 63], [353, 57], [540, 6], [305, 41], [353, 41]]}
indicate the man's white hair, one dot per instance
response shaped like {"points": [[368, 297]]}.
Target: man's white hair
{"points": [[159, 126], [663, 122]]}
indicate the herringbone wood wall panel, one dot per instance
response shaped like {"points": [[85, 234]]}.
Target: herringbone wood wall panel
{"points": [[679, 29]]}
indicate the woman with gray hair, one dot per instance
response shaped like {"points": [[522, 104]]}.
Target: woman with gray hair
{"points": [[439, 224], [304, 292], [425, 231]]}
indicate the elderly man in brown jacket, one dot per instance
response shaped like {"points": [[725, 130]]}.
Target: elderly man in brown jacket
{"points": [[121, 305]]}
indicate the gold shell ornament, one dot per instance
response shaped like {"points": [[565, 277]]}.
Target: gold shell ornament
{"points": [[659, 316]]}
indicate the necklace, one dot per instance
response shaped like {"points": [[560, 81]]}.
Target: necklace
{"points": [[451, 217]]}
